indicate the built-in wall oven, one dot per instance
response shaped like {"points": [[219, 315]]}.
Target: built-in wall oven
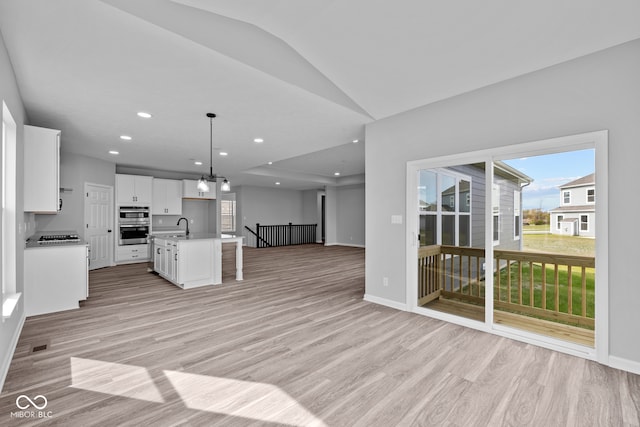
{"points": [[133, 223]]}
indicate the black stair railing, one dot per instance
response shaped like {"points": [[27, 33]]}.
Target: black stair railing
{"points": [[284, 234]]}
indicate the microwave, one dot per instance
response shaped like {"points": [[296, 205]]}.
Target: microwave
{"points": [[133, 215]]}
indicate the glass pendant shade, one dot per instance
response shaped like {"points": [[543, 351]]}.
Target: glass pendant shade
{"points": [[203, 185]]}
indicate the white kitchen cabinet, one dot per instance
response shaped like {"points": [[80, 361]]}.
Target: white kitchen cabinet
{"points": [[159, 260], [132, 253], [165, 258], [167, 197], [56, 278], [184, 262], [41, 170], [190, 190], [134, 190]]}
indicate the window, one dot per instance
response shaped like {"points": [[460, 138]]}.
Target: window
{"points": [[584, 222], [591, 195], [444, 205], [495, 209], [566, 197], [516, 215], [8, 214], [559, 222], [228, 216]]}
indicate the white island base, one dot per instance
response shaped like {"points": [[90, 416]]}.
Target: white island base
{"points": [[193, 261]]}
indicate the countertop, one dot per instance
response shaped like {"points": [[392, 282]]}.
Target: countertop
{"points": [[195, 236], [167, 230]]}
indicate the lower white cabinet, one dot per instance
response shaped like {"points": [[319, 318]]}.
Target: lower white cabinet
{"points": [[55, 278], [185, 263], [132, 253]]}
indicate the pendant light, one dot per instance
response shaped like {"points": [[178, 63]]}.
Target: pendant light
{"points": [[203, 182]]}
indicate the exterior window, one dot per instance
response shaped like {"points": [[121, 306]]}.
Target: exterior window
{"points": [[228, 216], [584, 222], [566, 197], [495, 209], [444, 204], [516, 215], [591, 195], [559, 222]]}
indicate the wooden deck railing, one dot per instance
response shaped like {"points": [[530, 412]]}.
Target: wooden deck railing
{"points": [[549, 286]]}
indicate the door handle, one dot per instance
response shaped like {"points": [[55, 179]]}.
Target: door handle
{"points": [[108, 231]]}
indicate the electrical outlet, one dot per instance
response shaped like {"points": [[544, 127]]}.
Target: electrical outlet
{"points": [[385, 281], [160, 221], [191, 221]]}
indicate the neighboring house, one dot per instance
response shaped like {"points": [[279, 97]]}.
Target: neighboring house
{"points": [[452, 206], [576, 214]]}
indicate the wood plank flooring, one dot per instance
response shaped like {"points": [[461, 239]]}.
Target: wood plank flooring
{"points": [[293, 344]]}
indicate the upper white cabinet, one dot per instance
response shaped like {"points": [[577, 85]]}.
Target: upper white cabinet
{"points": [[41, 170], [167, 197], [134, 190], [190, 190]]}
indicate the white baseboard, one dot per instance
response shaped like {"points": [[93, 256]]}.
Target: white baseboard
{"points": [[8, 356], [386, 302], [345, 244], [624, 364]]}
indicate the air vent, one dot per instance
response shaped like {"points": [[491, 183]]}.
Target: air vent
{"points": [[40, 347]]}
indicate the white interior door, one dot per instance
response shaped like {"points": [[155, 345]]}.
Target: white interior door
{"points": [[98, 217]]}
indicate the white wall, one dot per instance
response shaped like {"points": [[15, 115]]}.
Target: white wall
{"points": [[267, 206], [11, 327], [75, 170], [350, 215], [595, 92]]}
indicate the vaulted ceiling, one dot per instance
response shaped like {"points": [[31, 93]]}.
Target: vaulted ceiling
{"points": [[305, 76]]}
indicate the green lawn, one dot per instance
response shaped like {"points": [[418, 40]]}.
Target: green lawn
{"points": [[549, 302], [553, 243]]}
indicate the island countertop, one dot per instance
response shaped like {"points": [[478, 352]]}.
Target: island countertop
{"points": [[186, 260], [196, 236]]}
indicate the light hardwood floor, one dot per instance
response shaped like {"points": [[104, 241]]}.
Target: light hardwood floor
{"points": [[293, 344]]}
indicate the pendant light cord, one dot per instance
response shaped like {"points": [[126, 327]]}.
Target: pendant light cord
{"points": [[211, 117]]}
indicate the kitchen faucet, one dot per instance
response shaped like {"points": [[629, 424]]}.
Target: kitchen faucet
{"points": [[185, 220]]}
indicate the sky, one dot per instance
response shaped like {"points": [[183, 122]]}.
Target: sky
{"points": [[549, 172]]}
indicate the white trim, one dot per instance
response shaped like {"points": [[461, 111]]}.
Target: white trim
{"points": [[601, 142], [590, 140], [545, 342], [344, 244], [624, 364], [451, 318], [347, 245], [386, 302], [11, 349]]}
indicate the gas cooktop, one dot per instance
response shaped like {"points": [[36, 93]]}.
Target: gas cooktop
{"points": [[58, 238]]}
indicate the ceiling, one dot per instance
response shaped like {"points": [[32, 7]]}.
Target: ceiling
{"points": [[306, 76]]}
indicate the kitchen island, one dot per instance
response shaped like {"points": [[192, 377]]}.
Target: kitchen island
{"points": [[193, 260]]}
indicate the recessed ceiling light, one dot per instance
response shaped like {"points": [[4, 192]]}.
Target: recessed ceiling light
{"points": [[336, 173], [222, 153], [270, 163], [258, 140], [114, 152], [355, 141], [126, 137], [277, 183], [144, 115], [198, 163]]}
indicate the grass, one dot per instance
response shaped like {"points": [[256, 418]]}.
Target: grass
{"points": [[553, 243], [548, 301]]}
